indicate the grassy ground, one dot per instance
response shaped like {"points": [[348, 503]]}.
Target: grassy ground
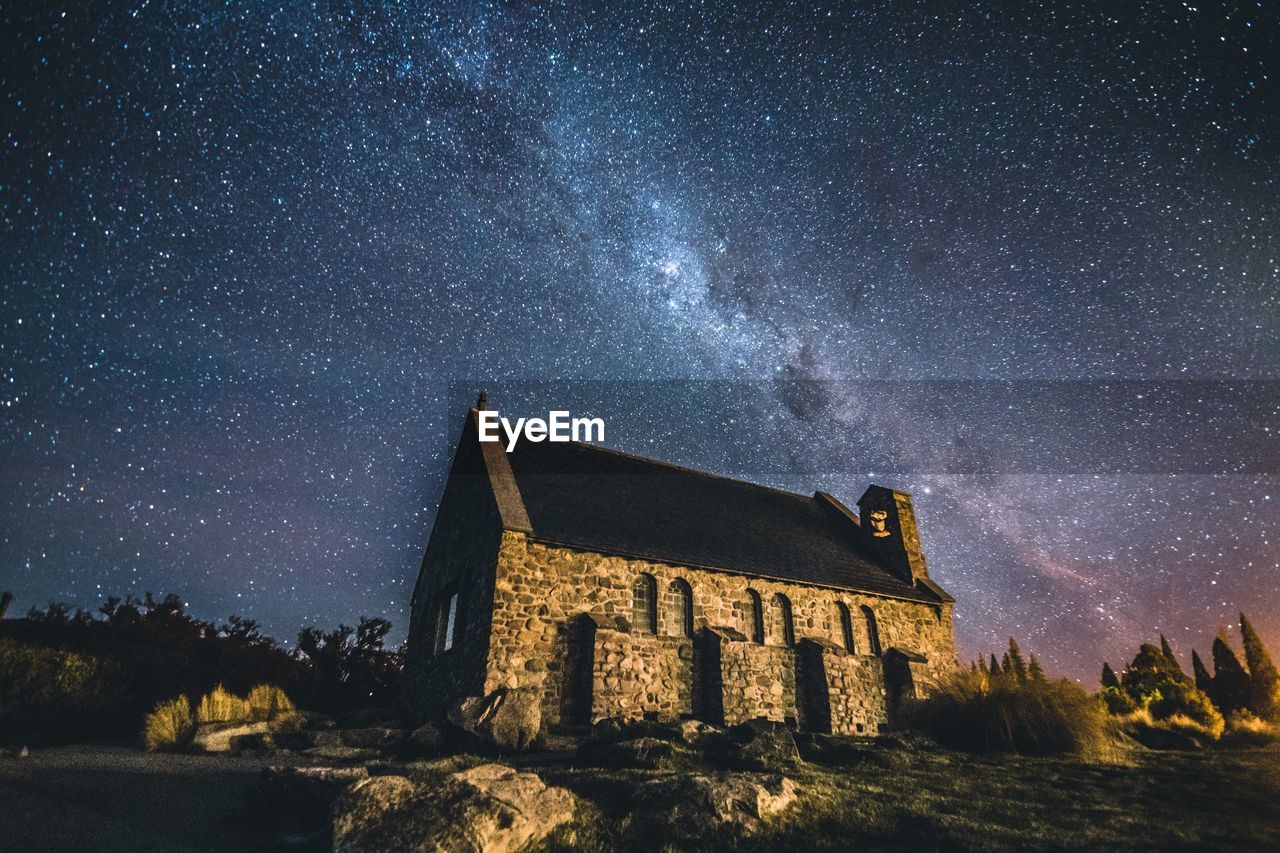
{"points": [[939, 800], [118, 798]]}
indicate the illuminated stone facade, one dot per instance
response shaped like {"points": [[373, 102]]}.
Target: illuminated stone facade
{"points": [[603, 634]]}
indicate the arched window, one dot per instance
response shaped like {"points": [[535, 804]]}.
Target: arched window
{"points": [[846, 626], [782, 614], [680, 609], [873, 633], [644, 604], [756, 617]]}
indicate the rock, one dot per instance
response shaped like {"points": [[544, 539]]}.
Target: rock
{"points": [[426, 741], [299, 796], [765, 744], [342, 754], [510, 718], [641, 752], [630, 728], [695, 732], [696, 806], [384, 740], [22, 752], [326, 738], [487, 808], [217, 737]]}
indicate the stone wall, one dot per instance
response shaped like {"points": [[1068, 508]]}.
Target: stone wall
{"points": [[540, 589], [842, 694], [744, 680], [641, 675]]}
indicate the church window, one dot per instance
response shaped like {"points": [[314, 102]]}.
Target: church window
{"points": [[756, 617], [644, 604], [873, 632], [846, 626], [782, 613], [680, 603]]}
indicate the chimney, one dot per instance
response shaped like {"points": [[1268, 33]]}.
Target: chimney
{"points": [[888, 524], [5, 600]]}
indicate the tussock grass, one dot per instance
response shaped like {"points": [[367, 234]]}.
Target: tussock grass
{"points": [[170, 726], [222, 706], [980, 712], [1244, 730], [268, 702]]}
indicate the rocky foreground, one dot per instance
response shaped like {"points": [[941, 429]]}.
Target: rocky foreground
{"points": [[365, 784]]}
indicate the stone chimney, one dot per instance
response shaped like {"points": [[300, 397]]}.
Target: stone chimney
{"points": [[5, 600], [888, 524]]}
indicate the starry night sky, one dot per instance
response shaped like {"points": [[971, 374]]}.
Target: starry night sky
{"points": [[1024, 264]]}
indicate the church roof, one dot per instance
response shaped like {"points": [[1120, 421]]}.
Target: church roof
{"points": [[603, 500]]}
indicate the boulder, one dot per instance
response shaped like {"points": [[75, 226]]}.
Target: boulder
{"points": [[299, 797], [487, 808], [630, 728], [426, 741], [689, 808], [218, 737], [384, 740], [509, 718], [765, 744], [641, 752]]}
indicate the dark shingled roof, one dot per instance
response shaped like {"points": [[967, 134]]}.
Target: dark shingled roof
{"points": [[603, 500]]}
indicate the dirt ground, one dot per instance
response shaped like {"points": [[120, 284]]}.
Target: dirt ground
{"points": [[107, 798]]}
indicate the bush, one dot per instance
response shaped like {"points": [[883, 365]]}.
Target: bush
{"points": [[1177, 731], [170, 727], [44, 689], [268, 702], [1244, 730], [984, 712], [1184, 700], [222, 706]]}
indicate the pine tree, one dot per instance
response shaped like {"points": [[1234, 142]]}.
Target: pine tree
{"points": [[982, 666], [1230, 680], [1109, 676], [1204, 681], [1034, 672], [1016, 661], [1264, 683], [1174, 667], [995, 665]]}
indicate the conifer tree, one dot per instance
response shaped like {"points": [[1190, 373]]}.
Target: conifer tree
{"points": [[1034, 671], [1109, 676], [1204, 681], [1172, 661], [1015, 660], [1230, 680], [1264, 683], [982, 666], [995, 665]]}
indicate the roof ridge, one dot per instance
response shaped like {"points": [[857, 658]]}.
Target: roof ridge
{"points": [[688, 470]]}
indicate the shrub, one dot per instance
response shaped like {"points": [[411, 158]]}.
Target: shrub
{"points": [[999, 713], [170, 726], [1184, 700], [1245, 730], [1118, 702], [222, 706], [268, 702]]}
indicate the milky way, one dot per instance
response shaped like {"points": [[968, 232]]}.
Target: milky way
{"points": [[1023, 264]]}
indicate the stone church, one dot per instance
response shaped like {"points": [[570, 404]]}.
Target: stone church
{"points": [[621, 586]]}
